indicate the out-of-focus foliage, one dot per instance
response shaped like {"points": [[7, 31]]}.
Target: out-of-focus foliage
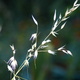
{"points": [[17, 27]]}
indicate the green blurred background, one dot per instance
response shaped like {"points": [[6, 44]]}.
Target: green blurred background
{"points": [[17, 27]]}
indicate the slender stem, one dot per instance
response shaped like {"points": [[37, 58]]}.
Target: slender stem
{"points": [[42, 51], [21, 78], [36, 34]]}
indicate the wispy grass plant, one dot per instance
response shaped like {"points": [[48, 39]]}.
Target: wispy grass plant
{"points": [[43, 47]]}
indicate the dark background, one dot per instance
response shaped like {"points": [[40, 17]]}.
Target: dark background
{"points": [[17, 27]]}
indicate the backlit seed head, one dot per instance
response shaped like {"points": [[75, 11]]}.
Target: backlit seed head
{"points": [[35, 54], [12, 64], [33, 37]]}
